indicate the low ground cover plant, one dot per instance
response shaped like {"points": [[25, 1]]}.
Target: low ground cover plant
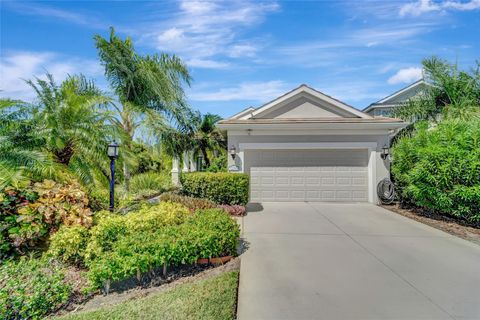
{"points": [[31, 288], [233, 210], [220, 187], [190, 202], [438, 168]]}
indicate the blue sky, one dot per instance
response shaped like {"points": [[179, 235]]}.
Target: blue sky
{"points": [[247, 52]]}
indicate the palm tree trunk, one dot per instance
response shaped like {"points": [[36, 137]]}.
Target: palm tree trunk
{"points": [[205, 156], [126, 177]]}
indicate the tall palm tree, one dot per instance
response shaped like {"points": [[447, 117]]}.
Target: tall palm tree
{"points": [[143, 84]]}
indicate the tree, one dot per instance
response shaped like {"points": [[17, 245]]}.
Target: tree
{"points": [[452, 93], [62, 135], [142, 84], [206, 135]]}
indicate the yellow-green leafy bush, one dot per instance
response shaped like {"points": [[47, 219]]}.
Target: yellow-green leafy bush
{"points": [[206, 234], [69, 243], [112, 227], [220, 187]]}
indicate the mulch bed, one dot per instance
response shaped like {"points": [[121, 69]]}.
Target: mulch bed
{"points": [[456, 227]]}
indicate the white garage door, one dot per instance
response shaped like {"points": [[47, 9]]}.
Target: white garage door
{"points": [[307, 175]]}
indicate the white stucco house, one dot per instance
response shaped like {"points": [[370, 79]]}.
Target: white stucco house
{"points": [[308, 146]]}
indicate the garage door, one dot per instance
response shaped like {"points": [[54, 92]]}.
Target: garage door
{"points": [[307, 175]]}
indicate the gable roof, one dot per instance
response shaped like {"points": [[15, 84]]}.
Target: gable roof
{"points": [[389, 101], [302, 89]]}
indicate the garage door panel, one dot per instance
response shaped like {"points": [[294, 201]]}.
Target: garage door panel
{"points": [[308, 175]]}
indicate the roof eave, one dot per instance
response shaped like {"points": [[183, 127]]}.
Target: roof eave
{"points": [[312, 126]]}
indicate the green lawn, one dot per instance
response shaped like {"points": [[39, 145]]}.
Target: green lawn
{"points": [[213, 298]]}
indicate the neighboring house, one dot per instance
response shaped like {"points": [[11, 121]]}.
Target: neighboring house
{"points": [[385, 106], [308, 146]]}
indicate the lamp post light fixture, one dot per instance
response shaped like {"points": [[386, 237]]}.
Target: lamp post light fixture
{"points": [[385, 152], [232, 151], [112, 152]]}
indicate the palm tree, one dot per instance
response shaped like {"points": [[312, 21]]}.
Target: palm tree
{"points": [[143, 84], [206, 136], [452, 93], [62, 135]]}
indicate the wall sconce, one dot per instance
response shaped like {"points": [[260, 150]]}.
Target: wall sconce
{"points": [[385, 152], [232, 151]]}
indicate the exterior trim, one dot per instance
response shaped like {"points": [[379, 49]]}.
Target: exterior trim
{"points": [[306, 145], [319, 95]]}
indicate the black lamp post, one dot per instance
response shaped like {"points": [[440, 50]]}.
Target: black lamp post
{"points": [[112, 152]]}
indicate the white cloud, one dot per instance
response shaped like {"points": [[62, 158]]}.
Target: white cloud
{"points": [[425, 6], [242, 50], [207, 64], [255, 91], [204, 30], [406, 75], [37, 10], [15, 67]]}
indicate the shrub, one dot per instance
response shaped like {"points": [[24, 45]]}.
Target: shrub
{"points": [[233, 210], [28, 216], [112, 227], [32, 288], [149, 183], [438, 169], [69, 243], [206, 234], [191, 203], [222, 188], [218, 164]]}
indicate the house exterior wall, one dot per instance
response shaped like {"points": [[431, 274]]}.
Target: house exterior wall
{"points": [[382, 167]]}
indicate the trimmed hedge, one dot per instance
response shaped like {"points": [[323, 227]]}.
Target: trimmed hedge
{"points": [[208, 233], [438, 169], [221, 187], [119, 247]]}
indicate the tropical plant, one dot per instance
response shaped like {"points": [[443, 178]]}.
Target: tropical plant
{"points": [[146, 82], [29, 215], [148, 87], [438, 169], [206, 135], [451, 93], [62, 135]]}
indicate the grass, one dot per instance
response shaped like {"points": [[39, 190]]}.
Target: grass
{"points": [[212, 298]]}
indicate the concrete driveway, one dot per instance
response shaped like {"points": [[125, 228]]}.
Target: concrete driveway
{"points": [[353, 261]]}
